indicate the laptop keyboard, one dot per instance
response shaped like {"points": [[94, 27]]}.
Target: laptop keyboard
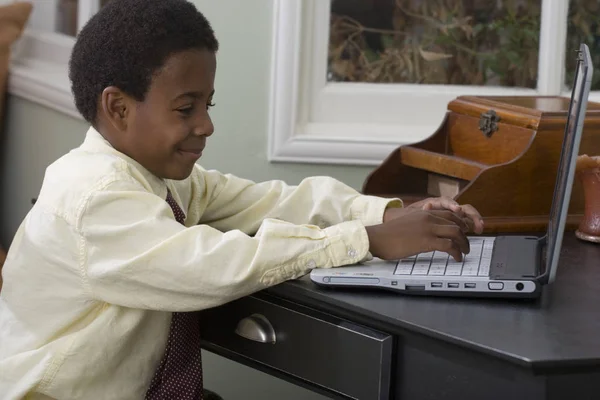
{"points": [[476, 263]]}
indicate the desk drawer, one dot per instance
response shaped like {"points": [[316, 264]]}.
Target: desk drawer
{"points": [[320, 349]]}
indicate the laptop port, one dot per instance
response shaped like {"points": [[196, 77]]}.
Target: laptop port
{"points": [[470, 286], [436, 284], [453, 285]]}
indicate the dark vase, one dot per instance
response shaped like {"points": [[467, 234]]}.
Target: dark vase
{"points": [[589, 228]]}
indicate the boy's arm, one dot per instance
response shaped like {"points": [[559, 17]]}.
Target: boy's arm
{"points": [[133, 253], [236, 203]]}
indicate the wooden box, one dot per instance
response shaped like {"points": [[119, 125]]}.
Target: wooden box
{"points": [[498, 153]]}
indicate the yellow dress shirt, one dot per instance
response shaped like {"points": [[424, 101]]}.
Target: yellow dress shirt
{"points": [[99, 264]]}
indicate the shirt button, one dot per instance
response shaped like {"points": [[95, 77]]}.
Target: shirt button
{"points": [[351, 252], [311, 264]]}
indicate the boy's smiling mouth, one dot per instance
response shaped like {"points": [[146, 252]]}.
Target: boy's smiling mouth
{"points": [[194, 151], [191, 152]]}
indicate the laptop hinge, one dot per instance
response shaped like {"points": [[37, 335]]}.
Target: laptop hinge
{"points": [[544, 270]]}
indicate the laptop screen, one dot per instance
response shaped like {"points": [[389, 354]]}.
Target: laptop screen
{"points": [[568, 158]]}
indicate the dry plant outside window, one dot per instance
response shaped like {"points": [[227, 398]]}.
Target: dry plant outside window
{"points": [[452, 42], [583, 26]]}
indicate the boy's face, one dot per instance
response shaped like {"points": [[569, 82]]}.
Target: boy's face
{"points": [[167, 132]]}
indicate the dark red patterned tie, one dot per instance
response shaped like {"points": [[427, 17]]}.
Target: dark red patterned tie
{"points": [[179, 375]]}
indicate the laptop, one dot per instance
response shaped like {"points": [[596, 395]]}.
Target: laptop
{"points": [[497, 266]]}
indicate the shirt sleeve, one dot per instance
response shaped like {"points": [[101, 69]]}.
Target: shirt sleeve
{"points": [[236, 203], [133, 253]]}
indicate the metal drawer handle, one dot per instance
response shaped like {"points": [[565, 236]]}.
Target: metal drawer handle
{"points": [[257, 328]]}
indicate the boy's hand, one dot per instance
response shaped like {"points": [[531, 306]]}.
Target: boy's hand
{"points": [[418, 231], [467, 212]]}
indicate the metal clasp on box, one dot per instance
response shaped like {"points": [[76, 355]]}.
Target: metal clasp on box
{"points": [[488, 123]]}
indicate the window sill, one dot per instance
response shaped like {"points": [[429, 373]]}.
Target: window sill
{"points": [[39, 71]]}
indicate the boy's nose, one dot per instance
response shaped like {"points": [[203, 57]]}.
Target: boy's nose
{"points": [[204, 128]]}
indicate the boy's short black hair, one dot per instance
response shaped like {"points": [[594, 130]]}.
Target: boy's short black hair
{"points": [[127, 42]]}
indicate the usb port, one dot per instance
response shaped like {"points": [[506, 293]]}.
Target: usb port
{"points": [[470, 286], [436, 284], [453, 285], [414, 287]]}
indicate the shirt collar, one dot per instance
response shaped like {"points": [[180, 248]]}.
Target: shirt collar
{"points": [[96, 143]]}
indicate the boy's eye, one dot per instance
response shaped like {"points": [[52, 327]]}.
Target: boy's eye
{"points": [[210, 105], [186, 110]]}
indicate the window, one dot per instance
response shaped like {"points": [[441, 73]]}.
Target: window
{"points": [[435, 43], [354, 79], [62, 16], [39, 61]]}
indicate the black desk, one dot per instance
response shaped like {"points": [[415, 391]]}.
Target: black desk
{"points": [[441, 348]]}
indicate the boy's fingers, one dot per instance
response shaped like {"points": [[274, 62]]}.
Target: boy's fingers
{"points": [[442, 203], [448, 217], [474, 216], [470, 223], [455, 234], [467, 212], [448, 246], [450, 204]]}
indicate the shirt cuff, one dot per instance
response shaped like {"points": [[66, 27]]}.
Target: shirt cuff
{"points": [[348, 243], [370, 209]]}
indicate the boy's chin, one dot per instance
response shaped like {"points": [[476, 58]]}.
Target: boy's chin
{"points": [[179, 174]]}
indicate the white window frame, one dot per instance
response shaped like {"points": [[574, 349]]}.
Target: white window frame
{"points": [[312, 121], [39, 65], [39, 71]]}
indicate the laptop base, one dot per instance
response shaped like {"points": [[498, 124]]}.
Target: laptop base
{"points": [[514, 272]]}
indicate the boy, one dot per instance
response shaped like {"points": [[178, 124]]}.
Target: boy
{"points": [[129, 235]]}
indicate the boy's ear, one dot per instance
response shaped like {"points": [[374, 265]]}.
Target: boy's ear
{"points": [[116, 107]]}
